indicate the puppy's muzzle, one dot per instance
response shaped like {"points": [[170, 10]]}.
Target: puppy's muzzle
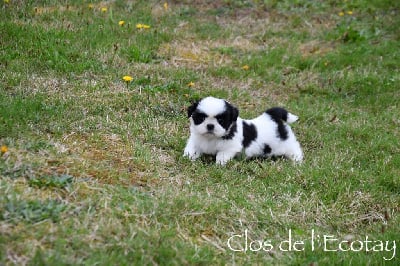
{"points": [[210, 127]]}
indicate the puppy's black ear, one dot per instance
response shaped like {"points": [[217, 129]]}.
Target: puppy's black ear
{"points": [[192, 108], [235, 113], [232, 111]]}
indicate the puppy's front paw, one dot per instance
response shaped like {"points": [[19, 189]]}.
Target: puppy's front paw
{"points": [[191, 154], [223, 157]]}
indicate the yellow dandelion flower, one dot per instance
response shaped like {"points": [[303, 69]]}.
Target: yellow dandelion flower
{"points": [[191, 84], [349, 12], [90, 6], [3, 149], [127, 79], [6, 1], [121, 23], [142, 26], [341, 14], [166, 6], [103, 9], [245, 67]]}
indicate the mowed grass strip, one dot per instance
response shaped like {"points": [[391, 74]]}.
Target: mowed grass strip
{"points": [[91, 166]]}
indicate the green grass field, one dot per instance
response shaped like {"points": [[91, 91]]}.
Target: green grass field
{"points": [[91, 166]]}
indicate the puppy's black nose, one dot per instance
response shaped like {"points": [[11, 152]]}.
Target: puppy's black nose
{"points": [[210, 127]]}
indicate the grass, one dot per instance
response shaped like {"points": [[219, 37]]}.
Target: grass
{"points": [[94, 173]]}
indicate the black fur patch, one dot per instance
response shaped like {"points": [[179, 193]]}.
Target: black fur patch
{"points": [[192, 108], [198, 117], [249, 134], [267, 149], [282, 131], [228, 117], [227, 120], [278, 115], [231, 132]]}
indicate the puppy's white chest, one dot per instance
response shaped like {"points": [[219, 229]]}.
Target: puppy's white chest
{"points": [[209, 145]]}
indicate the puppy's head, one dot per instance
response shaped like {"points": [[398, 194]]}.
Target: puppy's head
{"points": [[212, 117]]}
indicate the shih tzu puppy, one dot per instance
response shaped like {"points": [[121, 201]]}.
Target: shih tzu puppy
{"points": [[217, 129]]}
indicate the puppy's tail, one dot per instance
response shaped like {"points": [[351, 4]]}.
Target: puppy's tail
{"points": [[279, 114]]}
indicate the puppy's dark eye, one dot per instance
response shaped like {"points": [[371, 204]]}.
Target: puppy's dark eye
{"points": [[221, 119], [198, 118]]}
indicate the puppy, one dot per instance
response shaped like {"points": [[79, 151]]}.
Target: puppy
{"points": [[217, 129]]}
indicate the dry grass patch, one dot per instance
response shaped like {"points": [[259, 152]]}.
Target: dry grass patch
{"points": [[105, 158], [192, 55], [316, 48]]}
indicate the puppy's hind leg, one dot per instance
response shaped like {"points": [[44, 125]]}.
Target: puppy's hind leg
{"points": [[295, 153]]}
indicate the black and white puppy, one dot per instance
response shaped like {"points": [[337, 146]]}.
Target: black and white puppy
{"points": [[217, 129]]}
